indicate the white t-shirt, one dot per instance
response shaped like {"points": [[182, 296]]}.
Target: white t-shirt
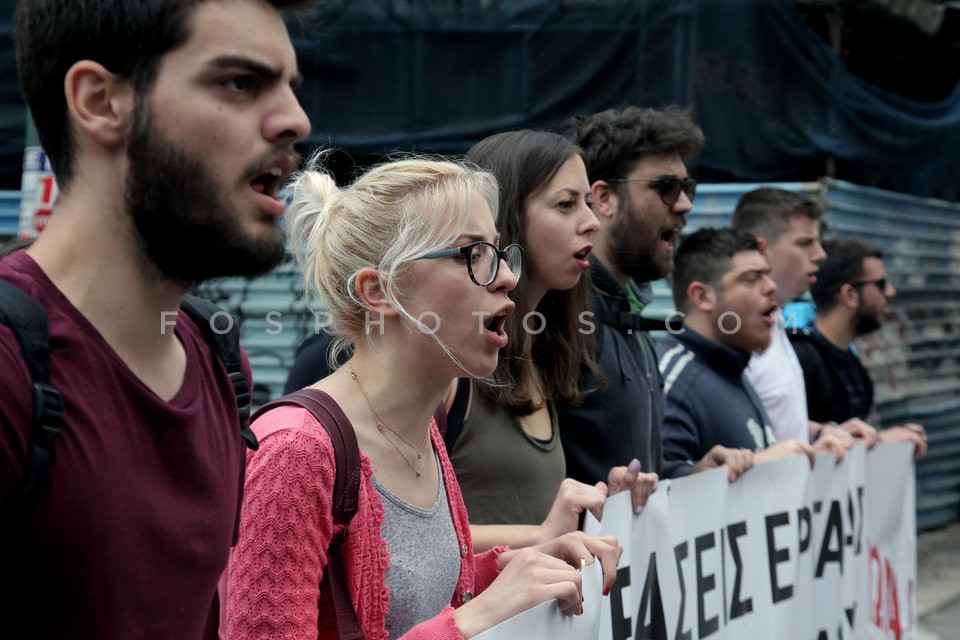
{"points": [[777, 377]]}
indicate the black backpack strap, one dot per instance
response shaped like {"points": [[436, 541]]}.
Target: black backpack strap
{"points": [[457, 413], [27, 320], [220, 330], [636, 322], [346, 491], [440, 416]]}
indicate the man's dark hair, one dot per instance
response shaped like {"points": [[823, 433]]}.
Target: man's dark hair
{"points": [[129, 38], [704, 256], [844, 265], [613, 141], [766, 212], [524, 163]]}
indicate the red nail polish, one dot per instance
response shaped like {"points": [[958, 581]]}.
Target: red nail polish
{"points": [[606, 591]]}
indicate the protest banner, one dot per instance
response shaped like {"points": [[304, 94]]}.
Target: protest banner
{"points": [[785, 552]]}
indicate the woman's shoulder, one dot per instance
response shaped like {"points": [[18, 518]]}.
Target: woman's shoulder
{"points": [[289, 422], [292, 436]]}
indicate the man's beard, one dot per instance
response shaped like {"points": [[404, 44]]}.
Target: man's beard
{"points": [[183, 216], [866, 320], [633, 248], [735, 336]]}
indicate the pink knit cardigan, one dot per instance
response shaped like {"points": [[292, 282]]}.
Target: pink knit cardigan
{"points": [[270, 588]]}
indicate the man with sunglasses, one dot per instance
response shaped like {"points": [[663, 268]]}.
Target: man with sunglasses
{"points": [[641, 194], [851, 294]]}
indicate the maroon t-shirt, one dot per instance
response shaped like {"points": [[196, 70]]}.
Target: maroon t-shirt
{"points": [[129, 537]]}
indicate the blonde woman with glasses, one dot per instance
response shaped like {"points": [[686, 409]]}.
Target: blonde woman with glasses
{"points": [[407, 260]]}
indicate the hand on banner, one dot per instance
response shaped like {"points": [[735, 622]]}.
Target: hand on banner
{"points": [[535, 575], [738, 461], [528, 577], [836, 432], [834, 440], [573, 498], [861, 432], [573, 547], [787, 449], [629, 478], [909, 432]]}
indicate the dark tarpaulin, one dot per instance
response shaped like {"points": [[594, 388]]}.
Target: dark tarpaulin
{"points": [[772, 97], [771, 94], [436, 76], [431, 78], [13, 110]]}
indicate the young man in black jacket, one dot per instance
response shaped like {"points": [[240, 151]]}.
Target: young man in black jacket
{"points": [[851, 295]]}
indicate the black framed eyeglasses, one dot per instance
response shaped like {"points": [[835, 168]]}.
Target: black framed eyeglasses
{"points": [[880, 282], [669, 187], [483, 260]]}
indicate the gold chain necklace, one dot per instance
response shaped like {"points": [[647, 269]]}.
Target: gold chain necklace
{"points": [[381, 425]]}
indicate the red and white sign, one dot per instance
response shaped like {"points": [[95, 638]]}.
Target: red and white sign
{"points": [[38, 192]]}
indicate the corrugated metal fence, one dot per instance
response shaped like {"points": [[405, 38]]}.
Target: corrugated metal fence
{"points": [[914, 359], [9, 214]]}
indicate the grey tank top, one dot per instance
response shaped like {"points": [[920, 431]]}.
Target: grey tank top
{"points": [[506, 476], [424, 558]]}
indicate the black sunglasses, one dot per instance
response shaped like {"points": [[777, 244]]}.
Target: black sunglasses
{"points": [[669, 187], [880, 282]]}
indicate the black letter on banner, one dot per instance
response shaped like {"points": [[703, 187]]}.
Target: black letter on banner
{"points": [[737, 607], [680, 552], [619, 623], [860, 521], [650, 600], [776, 556], [803, 534], [860, 530], [852, 519], [834, 528], [704, 584]]}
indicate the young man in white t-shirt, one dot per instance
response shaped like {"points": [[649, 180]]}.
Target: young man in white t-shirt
{"points": [[787, 224]]}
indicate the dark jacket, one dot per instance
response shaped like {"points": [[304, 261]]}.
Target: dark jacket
{"points": [[310, 363], [709, 402], [621, 419], [838, 385]]}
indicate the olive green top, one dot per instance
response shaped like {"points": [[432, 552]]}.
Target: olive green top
{"points": [[506, 475]]}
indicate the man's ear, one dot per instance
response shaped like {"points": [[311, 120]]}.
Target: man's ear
{"points": [[371, 294], [605, 201], [848, 296], [702, 296], [762, 246], [98, 102]]}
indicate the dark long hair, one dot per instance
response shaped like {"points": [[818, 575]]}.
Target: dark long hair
{"points": [[524, 162]]}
